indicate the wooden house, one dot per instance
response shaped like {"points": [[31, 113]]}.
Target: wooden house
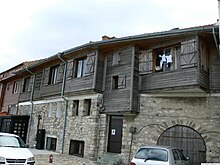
{"points": [[119, 93]]}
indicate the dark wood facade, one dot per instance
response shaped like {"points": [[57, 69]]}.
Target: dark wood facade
{"points": [[121, 69]]}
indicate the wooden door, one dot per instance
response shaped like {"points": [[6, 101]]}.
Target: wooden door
{"points": [[115, 134], [187, 140]]}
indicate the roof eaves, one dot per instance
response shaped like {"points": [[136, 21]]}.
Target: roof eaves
{"points": [[128, 38]]}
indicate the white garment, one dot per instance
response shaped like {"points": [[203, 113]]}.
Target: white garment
{"points": [[163, 59], [169, 58]]}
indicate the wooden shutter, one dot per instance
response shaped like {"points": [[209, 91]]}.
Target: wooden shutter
{"points": [[60, 72], [46, 76], [188, 53], [31, 81], [121, 81], [69, 72], [145, 61], [116, 58], [90, 64]]}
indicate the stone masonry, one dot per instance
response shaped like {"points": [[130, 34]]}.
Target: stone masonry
{"points": [[89, 128], [159, 112]]}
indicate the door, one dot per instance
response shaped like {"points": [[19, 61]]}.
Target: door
{"points": [[187, 140], [115, 134]]}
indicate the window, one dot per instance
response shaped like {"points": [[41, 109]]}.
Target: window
{"points": [[152, 154], [118, 82], [164, 60], [15, 87], [160, 60], [75, 108], [80, 67], [51, 144], [25, 84], [181, 155], [87, 107], [53, 75], [175, 155], [76, 148], [115, 82], [7, 86]]}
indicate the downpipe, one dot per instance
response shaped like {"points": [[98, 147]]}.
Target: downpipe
{"points": [[66, 101], [31, 101]]}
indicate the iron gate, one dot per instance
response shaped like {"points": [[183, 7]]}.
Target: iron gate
{"points": [[15, 124], [187, 140]]}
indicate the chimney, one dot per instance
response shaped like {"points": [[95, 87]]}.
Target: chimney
{"points": [[105, 37]]}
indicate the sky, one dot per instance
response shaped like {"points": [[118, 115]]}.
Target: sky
{"points": [[32, 30]]}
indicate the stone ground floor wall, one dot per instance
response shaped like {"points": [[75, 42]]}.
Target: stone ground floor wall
{"points": [[158, 113], [54, 115]]}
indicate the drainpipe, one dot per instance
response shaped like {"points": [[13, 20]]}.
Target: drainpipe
{"points": [[31, 101], [66, 101], [219, 23]]}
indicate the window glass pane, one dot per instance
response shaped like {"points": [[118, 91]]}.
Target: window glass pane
{"points": [[152, 154], [79, 68], [175, 155], [84, 67], [76, 148]]}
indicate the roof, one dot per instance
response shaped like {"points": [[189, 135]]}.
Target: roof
{"points": [[114, 40], [4, 114]]}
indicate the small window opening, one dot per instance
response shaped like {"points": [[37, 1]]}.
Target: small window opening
{"points": [[76, 148], [75, 108], [87, 107], [51, 144], [115, 82], [15, 87], [7, 86], [53, 75]]}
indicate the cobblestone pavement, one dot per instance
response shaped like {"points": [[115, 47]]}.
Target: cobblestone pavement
{"points": [[42, 158]]}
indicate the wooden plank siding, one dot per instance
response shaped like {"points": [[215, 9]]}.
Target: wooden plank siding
{"points": [[183, 77], [135, 83], [52, 89], [99, 73], [214, 70], [78, 84], [118, 100]]}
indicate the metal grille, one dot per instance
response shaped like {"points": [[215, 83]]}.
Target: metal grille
{"points": [[16, 160], [187, 140]]}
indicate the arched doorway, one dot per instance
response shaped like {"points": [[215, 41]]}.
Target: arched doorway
{"points": [[186, 139]]}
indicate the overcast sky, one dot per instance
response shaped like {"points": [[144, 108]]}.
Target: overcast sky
{"points": [[35, 29]]}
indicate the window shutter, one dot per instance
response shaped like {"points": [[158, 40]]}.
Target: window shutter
{"points": [[31, 81], [60, 73], [188, 53], [46, 76], [116, 58], [69, 72], [121, 81], [146, 61], [90, 64]]}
